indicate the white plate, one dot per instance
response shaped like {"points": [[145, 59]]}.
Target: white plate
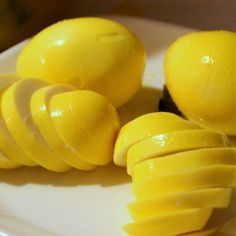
{"points": [[37, 202]]}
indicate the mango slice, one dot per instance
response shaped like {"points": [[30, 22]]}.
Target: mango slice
{"points": [[146, 126], [87, 123], [206, 177], [169, 202], [178, 162], [7, 144], [6, 163], [42, 119], [177, 141], [169, 224], [15, 106]]}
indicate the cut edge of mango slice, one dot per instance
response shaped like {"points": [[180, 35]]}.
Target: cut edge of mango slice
{"points": [[174, 223], [144, 127], [41, 116], [172, 142], [17, 116], [206, 177], [6, 163], [170, 202], [188, 160], [7, 143]]}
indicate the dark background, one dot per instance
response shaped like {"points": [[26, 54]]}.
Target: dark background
{"points": [[22, 18]]}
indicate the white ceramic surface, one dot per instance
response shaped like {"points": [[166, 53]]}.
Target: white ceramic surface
{"points": [[35, 202]]}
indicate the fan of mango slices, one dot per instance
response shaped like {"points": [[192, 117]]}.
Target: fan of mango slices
{"points": [[179, 172], [59, 113]]}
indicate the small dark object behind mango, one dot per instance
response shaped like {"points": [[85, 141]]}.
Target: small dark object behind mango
{"points": [[167, 104]]}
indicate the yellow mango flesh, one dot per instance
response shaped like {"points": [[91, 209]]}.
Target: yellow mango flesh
{"points": [[15, 107], [41, 117], [179, 141], [170, 202], [7, 144], [206, 177], [178, 162], [200, 75], [87, 123], [169, 224], [89, 53], [144, 127], [6, 163]]}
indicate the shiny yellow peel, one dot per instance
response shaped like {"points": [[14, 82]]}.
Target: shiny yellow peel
{"points": [[87, 123], [200, 74], [88, 53]]}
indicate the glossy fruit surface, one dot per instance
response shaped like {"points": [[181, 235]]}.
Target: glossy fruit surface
{"points": [[200, 74], [88, 53], [146, 126], [87, 123], [172, 142]]}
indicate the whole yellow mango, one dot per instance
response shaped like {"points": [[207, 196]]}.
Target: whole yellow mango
{"points": [[200, 74], [89, 53]]}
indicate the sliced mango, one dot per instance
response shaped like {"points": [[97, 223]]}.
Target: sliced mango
{"points": [[6, 163], [169, 202], [16, 113], [7, 144], [87, 123], [42, 119], [206, 177], [177, 141], [169, 224], [179, 162], [144, 127]]}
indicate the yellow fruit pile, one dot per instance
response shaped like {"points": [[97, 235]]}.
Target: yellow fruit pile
{"points": [[180, 173], [54, 126]]}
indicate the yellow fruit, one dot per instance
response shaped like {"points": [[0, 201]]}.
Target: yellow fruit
{"points": [[87, 123], [15, 107], [200, 75], [179, 162], [177, 141], [6, 163], [88, 53], [169, 224], [7, 144], [205, 177], [42, 119], [144, 127], [169, 202]]}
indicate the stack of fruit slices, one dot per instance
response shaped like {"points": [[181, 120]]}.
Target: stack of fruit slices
{"points": [[180, 173], [54, 126]]}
